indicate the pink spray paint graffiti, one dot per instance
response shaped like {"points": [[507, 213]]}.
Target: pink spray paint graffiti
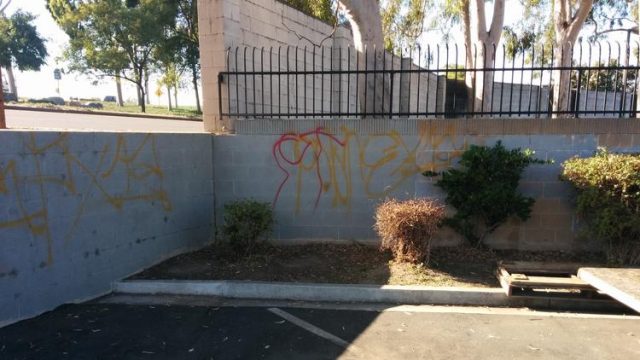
{"points": [[300, 145]]}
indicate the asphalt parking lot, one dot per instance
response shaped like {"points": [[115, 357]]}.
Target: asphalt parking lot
{"points": [[153, 330]]}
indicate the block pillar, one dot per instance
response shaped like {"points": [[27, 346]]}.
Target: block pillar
{"points": [[219, 29]]}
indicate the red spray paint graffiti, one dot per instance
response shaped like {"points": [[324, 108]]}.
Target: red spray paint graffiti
{"points": [[302, 143]]}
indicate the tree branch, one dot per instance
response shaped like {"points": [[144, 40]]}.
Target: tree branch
{"points": [[581, 15], [633, 30], [481, 31], [497, 21], [3, 8]]}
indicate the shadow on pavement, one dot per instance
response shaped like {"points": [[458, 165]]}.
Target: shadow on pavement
{"points": [[113, 331]]}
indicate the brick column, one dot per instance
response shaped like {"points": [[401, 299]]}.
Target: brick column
{"points": [[219, 28]]}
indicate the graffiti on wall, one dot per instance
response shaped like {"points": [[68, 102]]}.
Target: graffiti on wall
{"points": [[120, 173], [380, 164]]}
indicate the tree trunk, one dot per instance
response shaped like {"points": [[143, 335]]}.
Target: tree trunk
{"points": [[484, 81], [146, 86], [3, 123], [139, 80], [567, 27], [119, 89], [366, 25], [469, 79], [175, 96], [139, 95], [194, 75], [562, 78], [485, 41], [169, 97], [143, 104], [638, 72], [12, 81]]}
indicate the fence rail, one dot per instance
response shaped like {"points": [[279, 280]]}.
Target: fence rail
{"points": [[288, 82]]}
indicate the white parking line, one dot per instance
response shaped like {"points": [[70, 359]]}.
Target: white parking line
{"points": [[317, 331]]}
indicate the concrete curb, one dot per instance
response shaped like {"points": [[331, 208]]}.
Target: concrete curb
{"points": [[389, 294]]}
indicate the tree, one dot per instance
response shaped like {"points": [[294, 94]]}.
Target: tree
{"points": [[366, 26], [113, 37], [608, 79], [561, 34], [569, 16], [480, 44], [403, 22], [397, 27], [186, 31], [20, 45], [485, 40], [613, 15], [322, 9], [170, 80]]}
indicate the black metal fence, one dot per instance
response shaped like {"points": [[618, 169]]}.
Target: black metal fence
{"points": [[436, 81]]}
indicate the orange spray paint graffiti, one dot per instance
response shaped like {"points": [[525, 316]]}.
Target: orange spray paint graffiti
{"points": [[384, 162], [136, 165]]}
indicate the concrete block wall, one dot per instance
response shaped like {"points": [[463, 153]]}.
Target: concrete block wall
{"points": [[81, 210], [523, 97], [325, 178], [320, 93], [225, 24]]}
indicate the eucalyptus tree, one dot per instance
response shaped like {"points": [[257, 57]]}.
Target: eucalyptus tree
{"points": [[403, 22], [481, 39], [569, 17]]}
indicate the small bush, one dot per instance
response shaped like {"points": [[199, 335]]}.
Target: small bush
{"points": [[608, 199], [407, 227], [245, 223], [484, 190]]}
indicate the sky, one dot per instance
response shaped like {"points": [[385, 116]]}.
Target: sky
{"points": [[33, 84], [42, 84]]}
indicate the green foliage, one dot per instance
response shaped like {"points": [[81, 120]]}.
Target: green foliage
{"points": [[245, 223], [112, 36], [518, 43], [609, 200], [607, 15], [610, 79], [534, 34], [20, 42], [317, 8], [456, 75], [483, 190], [402, 23]]}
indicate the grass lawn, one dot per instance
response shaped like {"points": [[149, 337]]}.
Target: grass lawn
{"points": [[186, 111], [183, 111]]}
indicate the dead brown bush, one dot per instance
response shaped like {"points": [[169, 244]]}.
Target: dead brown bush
{"points": [[407, 227]]}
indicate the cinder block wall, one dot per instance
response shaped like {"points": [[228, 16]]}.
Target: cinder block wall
{"points": [[225, 24], [81, 210], [325, 178], [282, 38]]}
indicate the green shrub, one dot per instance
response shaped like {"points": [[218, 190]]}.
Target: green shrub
{"points": [[608, 200], [483, 190], [245, 223], [407, 227]]}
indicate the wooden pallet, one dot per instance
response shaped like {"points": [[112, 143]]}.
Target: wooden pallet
{"points": [[529, 278]]}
